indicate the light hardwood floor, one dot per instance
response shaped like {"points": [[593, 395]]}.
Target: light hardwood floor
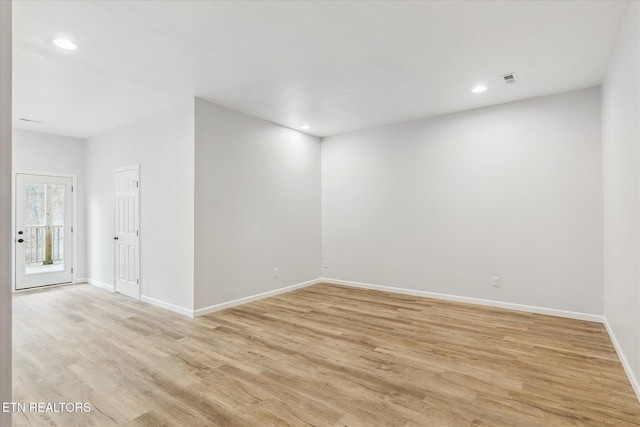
{"points": [[323, 356]]}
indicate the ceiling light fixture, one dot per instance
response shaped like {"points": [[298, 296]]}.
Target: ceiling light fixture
{"points": [[305, 127], [65, 44], [478, 89]]}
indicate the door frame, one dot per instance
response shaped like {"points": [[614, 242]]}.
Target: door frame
{"points": [[135, 167], [74, 221]]}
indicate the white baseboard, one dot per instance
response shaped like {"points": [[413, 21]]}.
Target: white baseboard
{"points": [[240, 301], [102, 285], [166, 305], [143, 298], [625, 363], [469, 300], [210, 309], [447, 297], [81, 280]]}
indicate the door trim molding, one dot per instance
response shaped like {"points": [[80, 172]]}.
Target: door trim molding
{"points": [[74, 219]]}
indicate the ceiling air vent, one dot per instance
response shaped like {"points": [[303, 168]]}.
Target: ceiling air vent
{"points": [[509, 78], [22, 119]]}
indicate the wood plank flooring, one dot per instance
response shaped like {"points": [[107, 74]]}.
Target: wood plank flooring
{"points": [[324, 355]]}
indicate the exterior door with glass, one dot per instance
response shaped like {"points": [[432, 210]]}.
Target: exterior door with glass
{"points": [[43, 230]]}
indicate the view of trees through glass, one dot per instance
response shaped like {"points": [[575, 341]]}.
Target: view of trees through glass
{"points": [[35, 204], [44, 224], [57, 204]]}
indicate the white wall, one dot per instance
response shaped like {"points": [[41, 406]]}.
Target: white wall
{"points": [[5, 208], [41, 152], [443, 204], [163, 145], [621, 140], [257, 206]]}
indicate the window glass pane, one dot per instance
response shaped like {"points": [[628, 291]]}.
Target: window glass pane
{"points": [[35, 204], [44, 228], [57, 205]]}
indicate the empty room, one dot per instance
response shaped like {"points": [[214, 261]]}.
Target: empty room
{"points": [[319, 213]]}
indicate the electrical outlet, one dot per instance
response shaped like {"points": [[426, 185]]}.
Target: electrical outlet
{"points": [[326, 264], [276, 272], [495, 282]]}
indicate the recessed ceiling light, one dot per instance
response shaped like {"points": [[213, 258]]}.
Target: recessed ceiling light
{"points": [[479, 88], [305, 127], [65, 44]]}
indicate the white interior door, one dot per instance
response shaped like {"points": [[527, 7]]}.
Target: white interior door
{"points": [[127, 226], [44, 222]]}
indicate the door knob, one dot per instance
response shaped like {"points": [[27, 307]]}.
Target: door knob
{"points": [[20, 240], [115, 238], [20, 232]]}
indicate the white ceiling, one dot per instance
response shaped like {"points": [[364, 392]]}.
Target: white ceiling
{"points": [[339, 66]]}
